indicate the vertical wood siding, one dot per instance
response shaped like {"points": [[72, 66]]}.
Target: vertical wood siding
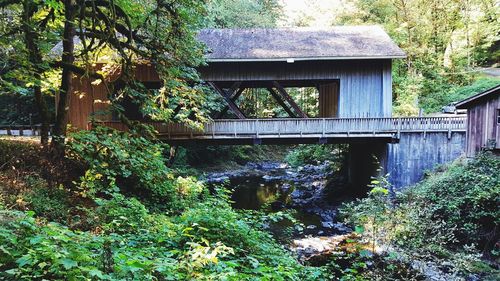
{"points": [[85, 100], [482, 125], [88, 99], [415, 153], [329, 100], [365, 85]]}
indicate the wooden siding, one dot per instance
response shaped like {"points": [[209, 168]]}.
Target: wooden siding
{"points": [[89, 99], [86, 100], [329, 100], [365, 86], [415, 153], [482, 125]]}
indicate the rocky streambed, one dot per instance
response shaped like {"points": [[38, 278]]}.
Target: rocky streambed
{"points": [[275, 186]]}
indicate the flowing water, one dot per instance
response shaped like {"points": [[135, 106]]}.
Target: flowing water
{"points": [[272, 187]]}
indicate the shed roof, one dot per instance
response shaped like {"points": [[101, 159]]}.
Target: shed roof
{"points": [[466, 103], [282, 44]]}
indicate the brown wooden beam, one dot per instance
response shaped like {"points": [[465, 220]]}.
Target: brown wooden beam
{"points": [[277, 97], [234, 98], [289, 99], [234, 108]]}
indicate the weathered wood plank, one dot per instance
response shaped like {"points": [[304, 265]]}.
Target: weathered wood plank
{"points": [[280, 101], [234, 108], [289, 99]]}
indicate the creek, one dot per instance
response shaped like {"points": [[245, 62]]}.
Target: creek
{"points": [[272, 187]]}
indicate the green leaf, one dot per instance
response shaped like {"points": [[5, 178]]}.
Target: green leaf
{"points": [[68, 263], [96, 273], [359, 229], [24, 260]]}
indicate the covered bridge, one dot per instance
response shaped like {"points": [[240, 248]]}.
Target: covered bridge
{"points": [[349, 65]]}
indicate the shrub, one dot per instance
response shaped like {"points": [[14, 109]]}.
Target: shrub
{"points": [[452, 215], [120, 161], [31, 251], [209, 242], [314, 154], [50, 203], [121, 214], [447, 94]]}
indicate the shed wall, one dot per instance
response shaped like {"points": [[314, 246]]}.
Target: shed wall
{"points": [[482, 125]]}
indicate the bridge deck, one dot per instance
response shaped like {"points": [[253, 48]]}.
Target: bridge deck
{"points": [[303, 130]]}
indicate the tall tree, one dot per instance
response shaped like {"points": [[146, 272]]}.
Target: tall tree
{"points": [[242, 13], [125, 32]]}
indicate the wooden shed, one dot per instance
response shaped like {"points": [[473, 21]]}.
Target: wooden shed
{"points": [[483, 121]]}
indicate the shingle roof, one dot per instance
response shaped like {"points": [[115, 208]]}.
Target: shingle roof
{"points": [[280, 44], [478, 97]]}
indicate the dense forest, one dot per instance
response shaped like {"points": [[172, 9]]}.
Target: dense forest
{"points": [[103, 204]]}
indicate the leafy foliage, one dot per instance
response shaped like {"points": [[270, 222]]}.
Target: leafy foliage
{"points": [[444, 42], [119, 161], [202, 244], [433, 103], [313, 154], [449, 216], [242, 13]]}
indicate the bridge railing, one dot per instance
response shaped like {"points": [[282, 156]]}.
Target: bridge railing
{"points": [[299, 127], [22, 130]]}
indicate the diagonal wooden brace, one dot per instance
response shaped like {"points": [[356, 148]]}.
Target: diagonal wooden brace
{"points": [[234, 97], [280, 101], [234, 108], [289, 99]]}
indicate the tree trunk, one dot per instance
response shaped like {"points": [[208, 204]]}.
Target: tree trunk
{"points": [[68, 57], [173, 153], [35, 59]]}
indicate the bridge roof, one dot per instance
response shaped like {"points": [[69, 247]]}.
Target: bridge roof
{"points": [[287, 44]]}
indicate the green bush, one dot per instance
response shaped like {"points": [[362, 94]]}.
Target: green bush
{"points": [[452, 215], [314, 154], [123, 162], [208, 242], [466, 198], [50, 203], [448, 93], [121, 214], [31, 251]]}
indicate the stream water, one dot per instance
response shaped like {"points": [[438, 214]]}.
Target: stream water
{"points": [[274, 187], [317, 232]]}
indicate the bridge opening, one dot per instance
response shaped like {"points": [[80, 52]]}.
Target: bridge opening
{"points": [[277, 99], [260, 103]]}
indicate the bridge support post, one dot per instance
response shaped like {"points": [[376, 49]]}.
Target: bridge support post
{"points": [[363, 163]]}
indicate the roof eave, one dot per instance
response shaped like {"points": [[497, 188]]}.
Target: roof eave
{"points": [[475, 98], [303, 59]]}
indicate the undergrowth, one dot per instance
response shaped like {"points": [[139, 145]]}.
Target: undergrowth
{"points": [[450, 219]]}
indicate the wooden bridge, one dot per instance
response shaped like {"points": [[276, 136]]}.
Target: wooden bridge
{"points": [[303, 130]]}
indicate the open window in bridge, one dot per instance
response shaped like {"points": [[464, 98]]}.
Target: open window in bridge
{"points": [[277, 99]]}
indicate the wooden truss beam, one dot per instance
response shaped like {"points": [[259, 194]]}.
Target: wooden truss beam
{"points": [[234, 97], [289, 99], [280, 101], [227, 97]]}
